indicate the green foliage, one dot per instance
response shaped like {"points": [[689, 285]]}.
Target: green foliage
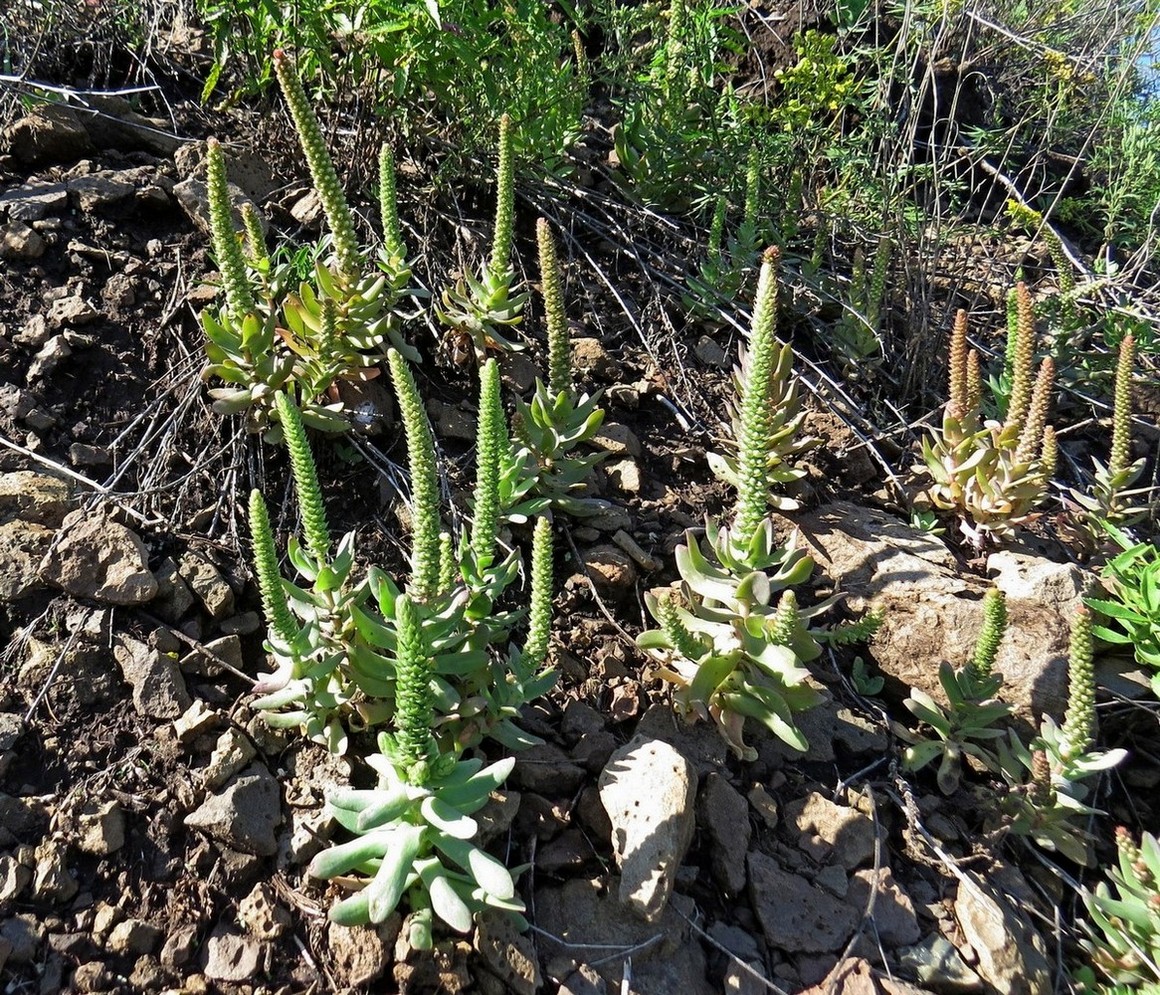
{"points": [[1132, 607], [1123, 934], [992, 474], [969, 720], [855, 337]]}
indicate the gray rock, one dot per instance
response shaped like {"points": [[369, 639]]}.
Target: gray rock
{"points": [[245, 624], [20, 243], [764, 804], [1009, 953], [99, 190], [666, 959], [615, 438], [1025, 576], [23, 932], [33, 200], [624, 476], [589, 356], [518, 372], [231, 956], [612, 571], [244, 815], [724, 815], [208, 659], [113, 124], [699, 743], [262, 914], [232, 753], [179, 947], [894, 917], [48, 134], [583, 981], [71, 312], [15, 877], [938, 965], [174, 598], [858, 734], [22, 816], [832, 833], [610, 519], [933, 612], [196, 720], [796, 916], [193, 198], [648, 790], [710, 353], [158, 688], [101, 827], [134, 937], [510, 956], [22, 548], [99, 559], [579, 719], [52, 882], [207, 584], [35, 332], [744, 979], [50, 355], [34, 497], [82, 454]]}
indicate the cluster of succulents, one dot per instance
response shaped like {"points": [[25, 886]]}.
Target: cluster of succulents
{"points": [[993, 474]]}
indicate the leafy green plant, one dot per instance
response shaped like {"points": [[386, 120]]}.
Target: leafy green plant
{"points": [[479, 309], [969, 721], [1123, 934], [558, 418], [992, 474], [1132, 608], [730, 651], [334, 327], [855, 337]]}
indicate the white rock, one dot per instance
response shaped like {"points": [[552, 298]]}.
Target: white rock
{"points": [[648, 790], [1009, 952]]}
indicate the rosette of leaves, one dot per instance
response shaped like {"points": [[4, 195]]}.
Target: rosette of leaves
{"points": [[413, 832], [480, 310], [969, 719], [1112, 484], [1132, 608], [856, 335], [992, 474], [558, 418], [730, 651], [1123, 934]]}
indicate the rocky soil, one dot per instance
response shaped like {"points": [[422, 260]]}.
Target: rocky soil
{"points": [[153, 831]]}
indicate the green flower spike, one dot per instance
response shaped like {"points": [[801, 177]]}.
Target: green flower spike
{"points": [[491, 437], [539, 629], [305, 479], [1122, 410], [414, 711], [274, 604], [425, 549], [1022, 355], [1079, 722], [389, 205], [231, 261], [994, 625], [255, 237], [505, 198], [322, 170], [559, 346]]}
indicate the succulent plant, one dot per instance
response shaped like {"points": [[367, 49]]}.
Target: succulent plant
{"points": [[992, 474], [855, 337], [482, 309], [1132, 607], [1123, 934]]}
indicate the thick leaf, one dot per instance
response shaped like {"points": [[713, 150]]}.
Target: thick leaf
{"points": [[447, 818], [391, 878], [489, 873]]}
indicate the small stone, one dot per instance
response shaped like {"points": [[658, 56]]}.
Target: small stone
{"points": [[244, 815], [55, 351], [72, 312], [583, 981], [632, 547], [196, 720], [261, 914], [795, 916], [245, 624], [99, 190], [105, 917], [34, 497], [857, 734], [207, 584], [937, 964], [1009, 952], [14, 878], [613, 437], [99, 559], [579, 719], [307, 209], [648, 790], [593, 749], [833, 879], [35, 332], [589, 356], [81, 454], [894, 916], [744, 979], [208, 659], [19, 242], [133, 937], [33, 200], [101, 827], [724, 816], [232, 753], [179, 947], [159, 690], [764, 804], [624, 476], [232, 957], [361, 954], [611, 570], [147, 975], [518, 372], [507, 953], [92, 976], [23, 933], [52, 882], [710, 353], [48, 134], [832, 832]]}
